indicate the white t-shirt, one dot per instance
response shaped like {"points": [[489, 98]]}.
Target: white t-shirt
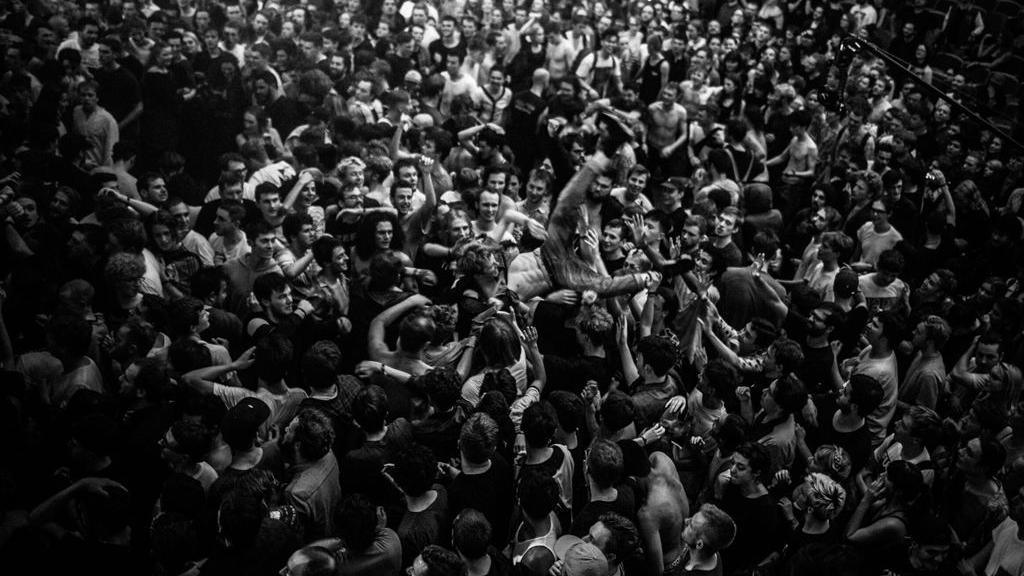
{"points": [[1007, 551], [872, 243]]}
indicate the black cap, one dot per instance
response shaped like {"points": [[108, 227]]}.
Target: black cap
{"points": [[243, 420]]}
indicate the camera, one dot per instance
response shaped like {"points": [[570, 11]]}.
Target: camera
{"points": [[932, 180]]}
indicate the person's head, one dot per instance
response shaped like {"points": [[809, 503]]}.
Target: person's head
{"points": [[311, 561], [273, 294], [863, 395], [414, 470], [309, 436], [186, 317], [604, 464], [299, 230], [370, 409], [415, 331], [885, 329], [919, 424], [385, 271], [442, 388], [437, 561], [268, 199], [615, 536], [377, 232], [821, 497], [124, 272], [657, 355], [751, 465], [708, 531], [786, 395], [471, 534], [612, 237], [727, 222], [538, 424], [931, 333], [890, 265], [478, 439], [330, 254], [981, 455]]}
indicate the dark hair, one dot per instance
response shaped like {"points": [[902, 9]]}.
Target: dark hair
{"points": [[538, 424], [193, 438], [722, 378], [415, 331], [365, 242], [790, 394], [443, 386], [356, 519], [759, 458], [207, 281], [569, 409], [659, 353], [182, 315], [471, 533], [478, 438], [370, 408], [605, 463], [323, 250], [264, 287], [441, 562], [538, 493], [414, 470], [293, 223], [624, 539], [315, 434], [866, 393], [186, 355]]}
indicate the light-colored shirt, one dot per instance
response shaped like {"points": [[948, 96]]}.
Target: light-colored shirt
{"points": [[100, 130]]}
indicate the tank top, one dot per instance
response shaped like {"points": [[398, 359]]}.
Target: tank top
{"points": [[650, 81], [520, 548]]}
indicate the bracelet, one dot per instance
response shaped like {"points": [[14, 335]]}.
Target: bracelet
{"points": [[383, 369]]}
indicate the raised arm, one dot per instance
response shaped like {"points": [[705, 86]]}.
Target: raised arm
{"points": [[305, 177], [202, 380], [376, 346]]}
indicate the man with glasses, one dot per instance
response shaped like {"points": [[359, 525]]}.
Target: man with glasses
{"points": [[193, 241]]}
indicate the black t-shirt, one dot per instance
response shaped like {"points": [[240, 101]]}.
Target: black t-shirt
{"points": [[523, 113], [491, 493], [816, 371], [624, 504], [119, 91], [439, 52]]}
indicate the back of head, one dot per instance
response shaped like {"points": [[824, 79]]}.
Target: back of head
{"points": [[604, 463], [370, 408], [414, 470], [313, 561], [415, 332], [357, 522], [718, 529], [538, 493], [478, 438], [471, 533]]}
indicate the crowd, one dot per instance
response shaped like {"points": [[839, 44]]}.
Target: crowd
{"points": [[545, 288]]}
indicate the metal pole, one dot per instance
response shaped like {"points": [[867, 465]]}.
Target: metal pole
{"points": [[857, 43]]}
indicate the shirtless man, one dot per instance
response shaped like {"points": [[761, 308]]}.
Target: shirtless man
{"points": [[668, 133], [660, 519], [801, 158], [489, 223]]}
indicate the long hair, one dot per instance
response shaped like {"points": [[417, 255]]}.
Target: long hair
{"points": [[365, 235]]}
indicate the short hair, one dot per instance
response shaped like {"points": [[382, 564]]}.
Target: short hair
{"points": [[182, 315], [207, 281], [891, 261], [569, 409], [866, 392], [605, 463], [441, 562], [319, 561], [659, 353], [539, 423], [235, 210], [358, 521], [788, 354], [415, 331], [187, 355], [264, 287], [129, 233], [293, 223], [124, 267], [790, 394], [315, 434], [265, 189], [722, 377], [193, 438], [718, 530], [370, 408], [759, 458], [893, 325], [624, 540], [478, 438], [471, 533], [414, 470]]}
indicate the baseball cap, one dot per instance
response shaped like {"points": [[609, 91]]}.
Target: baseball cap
{"points": [[846, 283], [243, 420], [414, 77], [584, 559]]}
